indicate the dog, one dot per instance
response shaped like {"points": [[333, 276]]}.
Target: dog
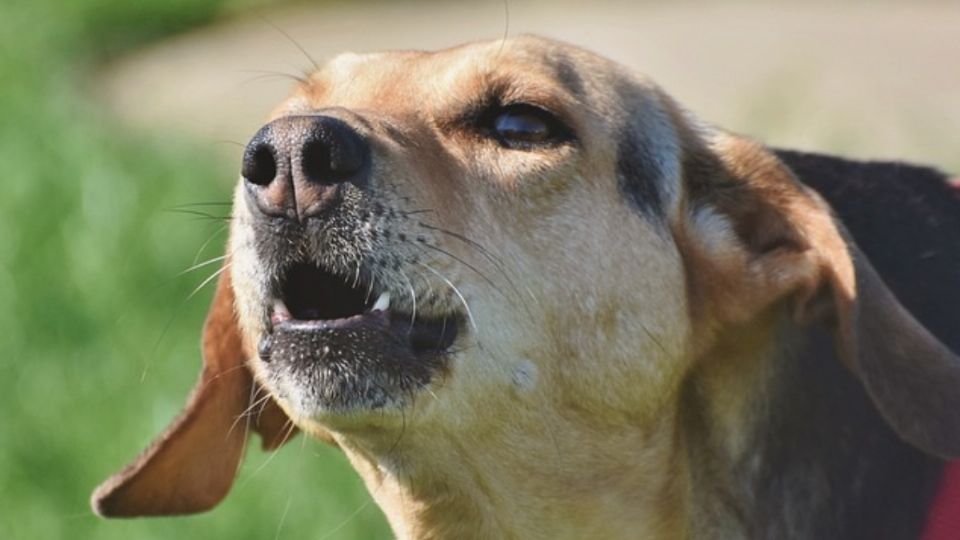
{"points": [[529, 295]]}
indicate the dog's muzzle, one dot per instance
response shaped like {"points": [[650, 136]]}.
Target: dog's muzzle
{"points": [[334, 340], [295, 166]]}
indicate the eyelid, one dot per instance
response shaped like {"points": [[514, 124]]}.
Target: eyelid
{"points": [[526, 104]]}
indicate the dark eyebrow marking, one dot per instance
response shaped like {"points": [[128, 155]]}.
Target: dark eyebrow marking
{"points": [[568, 77], [638, 175]]}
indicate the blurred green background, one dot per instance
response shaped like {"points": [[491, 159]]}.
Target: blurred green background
{"points": [[98, 347], [115, 172]]}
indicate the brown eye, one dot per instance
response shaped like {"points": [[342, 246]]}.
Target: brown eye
{"points": [[523, 126]]}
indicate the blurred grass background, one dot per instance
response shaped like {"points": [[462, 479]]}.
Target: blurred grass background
{"points": [[101, 144], [97, 346]]}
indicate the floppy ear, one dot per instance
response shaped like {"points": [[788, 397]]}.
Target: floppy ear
{"points": [[766, 238], [191, 465], [913, 378]]}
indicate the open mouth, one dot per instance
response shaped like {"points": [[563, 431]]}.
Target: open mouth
{"points": [[311, 297], [346, 345]]}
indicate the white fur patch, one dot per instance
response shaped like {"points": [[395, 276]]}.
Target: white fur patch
{"points": [[713, 231]]}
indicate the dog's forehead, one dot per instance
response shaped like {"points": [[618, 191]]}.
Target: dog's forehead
{"points": [[534, 68]]}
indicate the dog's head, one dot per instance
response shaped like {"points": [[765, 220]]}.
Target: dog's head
{"points": [[469, 242]]}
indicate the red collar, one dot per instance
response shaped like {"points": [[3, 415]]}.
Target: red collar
{"points": [[943, 521]]}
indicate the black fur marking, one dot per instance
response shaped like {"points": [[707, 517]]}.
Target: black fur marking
{"points": [[638, 176], [568, 76]]}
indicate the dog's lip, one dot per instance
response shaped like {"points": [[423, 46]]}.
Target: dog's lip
{"points": [[280, 317], [424, 336]]}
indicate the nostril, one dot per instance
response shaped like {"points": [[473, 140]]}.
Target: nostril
{"points": [[259, 165], [316, 162], [332, 153]]}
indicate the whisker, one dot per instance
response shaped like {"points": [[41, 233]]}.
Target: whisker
{"points": [[173, 317], [506, 25], [653, 338], [413, 300], [468, 265], [347, 519], [489, 255], [287, 426], [246, 429], [234, 143], [456, 291], [266, 74], [403, 430], [415, 212], [486, 252], [210, 203], [247, 413], [201, 265], [295, 43], [283, 517], [287, 429], [199, 214], [228, 371], [207, 281], [206, 243], [369, 290]]}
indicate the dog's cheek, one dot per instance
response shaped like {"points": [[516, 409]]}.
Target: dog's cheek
{"points": [[616, 342]]}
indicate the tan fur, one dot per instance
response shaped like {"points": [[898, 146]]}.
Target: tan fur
{"points": [[563, 416]]}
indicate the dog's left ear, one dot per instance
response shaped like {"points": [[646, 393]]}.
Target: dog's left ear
{"points": [[190, 467], [761, 237]]}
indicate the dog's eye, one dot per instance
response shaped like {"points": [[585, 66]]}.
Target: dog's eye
{"points": [[523, 126]]}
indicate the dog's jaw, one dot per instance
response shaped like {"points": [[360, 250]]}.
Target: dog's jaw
{"points": [[322, 359], [522, 471]]}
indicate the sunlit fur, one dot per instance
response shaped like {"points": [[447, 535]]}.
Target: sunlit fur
{"points": [[579, 322], [596, 316]]}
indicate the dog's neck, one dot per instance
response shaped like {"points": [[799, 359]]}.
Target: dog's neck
{"points": [[784, 442], [760, 441], [552, 480]]}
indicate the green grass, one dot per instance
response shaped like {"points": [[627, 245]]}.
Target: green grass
{"points": [[98, 344]]}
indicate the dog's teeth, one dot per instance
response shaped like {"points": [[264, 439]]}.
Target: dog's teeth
{"points": [[382, 303]]}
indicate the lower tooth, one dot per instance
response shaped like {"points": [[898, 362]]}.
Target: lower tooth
{"points": [[382, 303], [280, 312]]}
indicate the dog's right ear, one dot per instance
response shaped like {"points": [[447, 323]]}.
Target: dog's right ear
{"points": [[190, 467], [760, 238]]}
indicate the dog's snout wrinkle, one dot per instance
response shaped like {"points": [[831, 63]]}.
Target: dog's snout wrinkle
{"points": [[294, 166]]}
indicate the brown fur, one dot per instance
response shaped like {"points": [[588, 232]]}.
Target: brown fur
{"points": [[645, 296]]}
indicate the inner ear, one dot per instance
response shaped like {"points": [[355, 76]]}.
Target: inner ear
{"points": [[752, 235]]}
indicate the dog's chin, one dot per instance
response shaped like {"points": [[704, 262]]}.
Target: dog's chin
{"points": [[372, 362], [331, 356]]}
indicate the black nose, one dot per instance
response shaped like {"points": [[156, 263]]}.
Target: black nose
{"points": [[295, 166]]}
